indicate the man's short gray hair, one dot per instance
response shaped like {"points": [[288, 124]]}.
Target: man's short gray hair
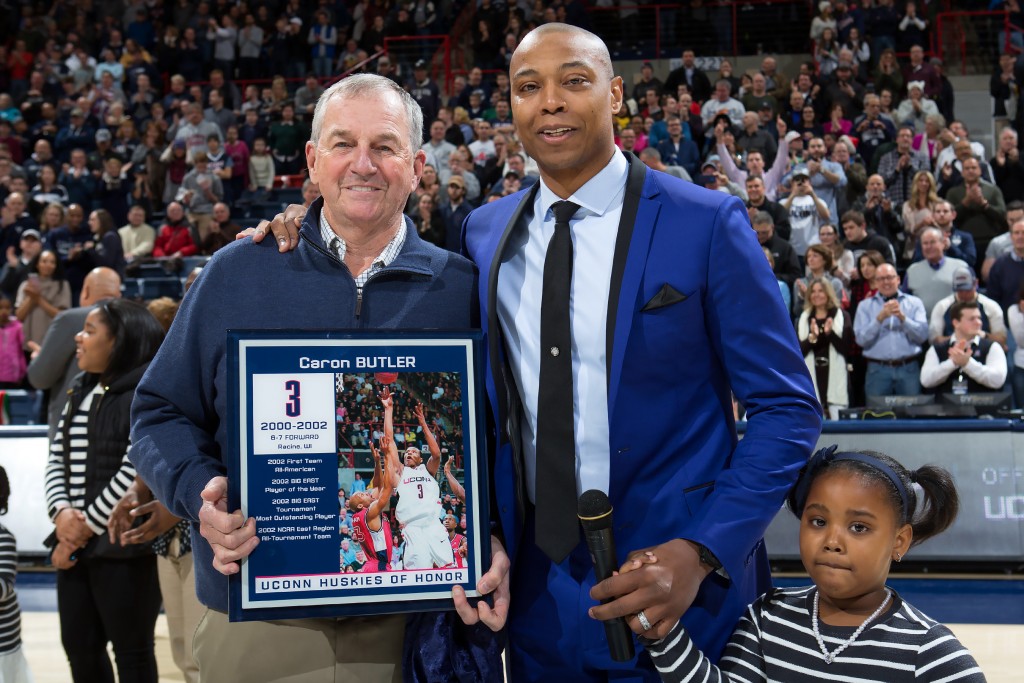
{"points": [[763, 218], [363, 85], [650, 153]]}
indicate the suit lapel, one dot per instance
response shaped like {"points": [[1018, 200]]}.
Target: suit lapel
{"points": [[493, 325], [505, 389], [639, 215], [624, 235]]}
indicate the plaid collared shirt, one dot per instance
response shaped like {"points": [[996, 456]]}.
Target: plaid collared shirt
{"points": [[337, 247]]}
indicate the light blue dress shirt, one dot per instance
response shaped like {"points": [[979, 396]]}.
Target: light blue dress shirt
{"points": [[520, 281], [891, 339]]}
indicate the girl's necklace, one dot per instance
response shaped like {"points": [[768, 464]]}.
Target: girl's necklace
{"points": [[830, 656]]}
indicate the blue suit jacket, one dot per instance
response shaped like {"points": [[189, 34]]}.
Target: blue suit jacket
{"points": [[694, 312]]}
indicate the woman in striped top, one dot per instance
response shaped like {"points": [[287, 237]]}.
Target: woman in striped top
{"points": [[13, 665], [858, 513], [105, 591]]}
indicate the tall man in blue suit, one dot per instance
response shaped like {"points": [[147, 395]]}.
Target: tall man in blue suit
{"points": [[673, 310], [673, 307]]}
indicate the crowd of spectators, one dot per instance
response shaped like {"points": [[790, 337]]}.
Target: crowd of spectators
{"points": [[869, 150], [140, 132]]}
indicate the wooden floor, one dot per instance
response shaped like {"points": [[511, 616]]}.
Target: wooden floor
{"points": [[40, 635], [997, 649]]}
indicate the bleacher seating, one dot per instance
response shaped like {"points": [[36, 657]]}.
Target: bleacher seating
{"points": [[23, 406], [287, 195], [149, 288]]}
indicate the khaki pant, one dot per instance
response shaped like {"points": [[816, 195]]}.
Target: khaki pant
{"points": [[363, 649], [183, 609]]}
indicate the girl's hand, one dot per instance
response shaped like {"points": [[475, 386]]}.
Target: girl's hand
{"points": [[634, 563], [62, 556]]}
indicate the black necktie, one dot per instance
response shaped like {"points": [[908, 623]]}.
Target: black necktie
{"points": [[557, 528]]}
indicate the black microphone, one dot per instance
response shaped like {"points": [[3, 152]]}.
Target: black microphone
{"points": [[595, 513]]}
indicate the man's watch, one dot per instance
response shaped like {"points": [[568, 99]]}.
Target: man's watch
{"points": [[707, 557]]}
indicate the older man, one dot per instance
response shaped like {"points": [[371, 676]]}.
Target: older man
{"points": [[364, 153], [931, 278], [891, 326]]}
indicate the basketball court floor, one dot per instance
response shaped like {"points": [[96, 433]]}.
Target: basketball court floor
{"points": [[985, 612]]}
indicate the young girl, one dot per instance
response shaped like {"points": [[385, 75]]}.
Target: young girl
{"points": [[12, 343], [859, 512], [13, 666]]}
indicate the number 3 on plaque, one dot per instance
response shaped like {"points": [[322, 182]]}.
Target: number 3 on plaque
{"points": [[293, 407]]}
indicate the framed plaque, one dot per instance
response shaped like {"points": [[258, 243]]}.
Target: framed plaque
{"points": [[361, 457]]}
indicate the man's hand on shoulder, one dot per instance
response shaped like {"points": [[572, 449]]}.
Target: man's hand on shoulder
{"points": [[231, 536], [284, 226], [496, 581]]}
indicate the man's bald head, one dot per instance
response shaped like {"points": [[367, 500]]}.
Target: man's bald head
{"points": [[100, 283], [564, 95], [582, 39]]}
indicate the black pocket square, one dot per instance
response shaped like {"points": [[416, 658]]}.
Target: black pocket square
{"points": [[666, 296]]}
